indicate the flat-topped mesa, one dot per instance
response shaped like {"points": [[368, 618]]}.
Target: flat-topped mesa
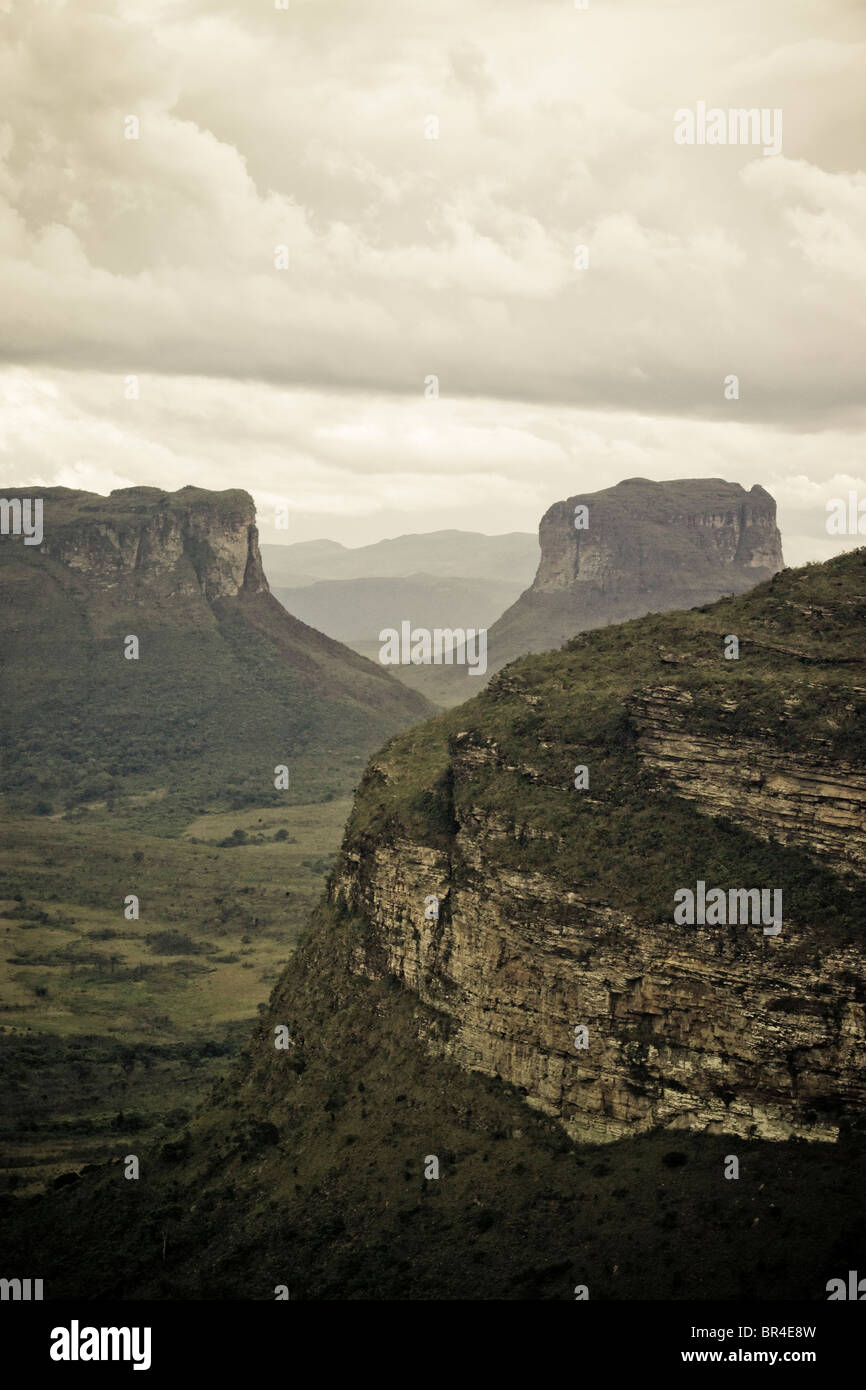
{"points": [[705, 536], [143, 542], [219, 686], [639, 547]]}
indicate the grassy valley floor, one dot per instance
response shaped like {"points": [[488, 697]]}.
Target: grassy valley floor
{"points": [[112, 1028]]}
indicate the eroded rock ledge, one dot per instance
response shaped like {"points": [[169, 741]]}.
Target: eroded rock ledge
{"points": [[716, 1030], [798, 799]]}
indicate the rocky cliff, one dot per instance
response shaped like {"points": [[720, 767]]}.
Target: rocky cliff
{"points": [[802, 800], [700, 535], [555, 904], [414, 1034], [225, 684], [641, 547], [142, 543]]}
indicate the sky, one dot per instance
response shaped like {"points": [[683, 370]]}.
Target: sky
{"points": [[232, 256]]}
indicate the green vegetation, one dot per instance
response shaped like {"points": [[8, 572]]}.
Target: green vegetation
{"points": [[224, 690], [306, 1166], [156, 777], [799, 682], [201, 723], [100, 1015], [307, 1169]]}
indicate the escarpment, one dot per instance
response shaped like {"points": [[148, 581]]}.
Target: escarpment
{"points": [[146, 544], [639, 547], [486, 915], [690, 535], [522, 907], [802, 799], [141, 647]]}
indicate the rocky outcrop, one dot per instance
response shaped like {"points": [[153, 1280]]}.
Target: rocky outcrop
{"points": [[222, 684], [721, 1030], [704, 536], [725, 1033], [797, 799], [646, 547], [142, 543]]}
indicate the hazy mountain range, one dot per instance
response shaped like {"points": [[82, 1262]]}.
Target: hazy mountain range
{"points": [[507, 559], [446, 579], [638, 547]]}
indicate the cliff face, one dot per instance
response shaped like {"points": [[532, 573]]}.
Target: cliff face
{"points": [[805, 800], [144, 544], [646, 548], [706, 536], [719, 1032], [225, 685], [556, 904], [555, 912]]}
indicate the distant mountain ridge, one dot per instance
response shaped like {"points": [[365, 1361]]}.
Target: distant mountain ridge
{"points": [[446, 579], [356, 610], [510, 558]]}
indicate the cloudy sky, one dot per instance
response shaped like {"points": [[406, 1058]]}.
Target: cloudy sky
{"points": [[411, 257]]}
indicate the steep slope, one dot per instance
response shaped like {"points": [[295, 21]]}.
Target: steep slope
{"points": [[557, 902], [411, 1037], [226, 685], [647, 547]]}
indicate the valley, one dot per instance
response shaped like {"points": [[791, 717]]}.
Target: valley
{"points": [[452, 1035], [112, 1031]]}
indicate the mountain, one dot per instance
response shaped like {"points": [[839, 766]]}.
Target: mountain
{"points": [[557, 902], [226, 685], [355, 611], [508, 559], [646, 548], [447, 579], [412, 1036]]}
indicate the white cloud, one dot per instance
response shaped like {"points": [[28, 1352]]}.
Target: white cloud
{"points": [[411, 257], [260, 128], [356, 467]]}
